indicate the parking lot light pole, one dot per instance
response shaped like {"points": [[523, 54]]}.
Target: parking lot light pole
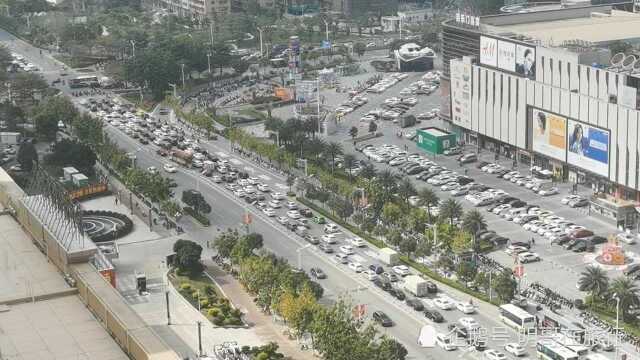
{"points": [[261, 46]]}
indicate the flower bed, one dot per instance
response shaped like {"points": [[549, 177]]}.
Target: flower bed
{"points": [[213, 304]]}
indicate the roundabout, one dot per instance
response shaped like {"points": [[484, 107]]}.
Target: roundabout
{"points": [[103, 226]]}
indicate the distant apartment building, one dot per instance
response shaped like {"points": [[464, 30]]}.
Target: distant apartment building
{"points": [[409, 17], [198, 8], [354, 8]]}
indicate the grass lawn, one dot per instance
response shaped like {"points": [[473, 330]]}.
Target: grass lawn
{"points": [[213, 304]]}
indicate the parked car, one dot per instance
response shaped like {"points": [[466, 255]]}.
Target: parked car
{"points": [[416, 304], [433, 315]]}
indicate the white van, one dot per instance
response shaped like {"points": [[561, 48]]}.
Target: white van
{"points": [[445, 342], [512, 213], [341, 258]]}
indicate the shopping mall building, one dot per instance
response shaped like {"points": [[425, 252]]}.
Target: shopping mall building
{"points": [[541, 87]]}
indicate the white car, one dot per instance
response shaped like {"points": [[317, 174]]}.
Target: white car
{"points": [[329, 238], [469, 323], [275, 204], [548, 192], [494, 355], [239, 193], [356, 241], [567, 199], [253, 180], [331, 228], [465, 307], [152, 170], [401, 270], [515, 349], [626, 238], [347, 249], [282, 219], [368, 118], [170, 168], [356, 266], [526, 257], [370, 275], [443, 303], [277, 196], [263, 187], [292, 205], [515, 249], [249, 189], [294, 214], [397, 161], [269, 212]]}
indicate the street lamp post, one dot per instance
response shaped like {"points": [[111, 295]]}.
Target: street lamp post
{"points": [[182, 69], [615, 296], [326, 29], [209, 61], [260, 34], [133, 48]]}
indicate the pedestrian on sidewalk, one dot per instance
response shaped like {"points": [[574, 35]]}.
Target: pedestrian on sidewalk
{"points": [[116, 200]]}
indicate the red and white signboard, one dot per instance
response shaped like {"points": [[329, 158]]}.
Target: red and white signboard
{"points": [[518, 271]]}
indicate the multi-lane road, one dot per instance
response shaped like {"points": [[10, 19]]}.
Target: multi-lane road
{"points": [[228, 212]]}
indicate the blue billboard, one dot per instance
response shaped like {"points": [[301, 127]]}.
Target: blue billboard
{"points": [[588, 147]]}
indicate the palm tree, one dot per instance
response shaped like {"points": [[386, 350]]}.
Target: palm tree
{"points": [[451, 209], [332, 150], [428, 198], [315, 147], [628, 292], [406, 189], [368, 171], [387, 181], [349, 162], [473, 222], [594, 280]]}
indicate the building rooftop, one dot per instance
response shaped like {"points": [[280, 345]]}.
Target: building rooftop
{"points": [[598, 28], [597, 24], [57, 325]]}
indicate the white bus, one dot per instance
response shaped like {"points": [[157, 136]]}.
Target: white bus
{"points": [[551, 350], [571, 344], [517, 318]]}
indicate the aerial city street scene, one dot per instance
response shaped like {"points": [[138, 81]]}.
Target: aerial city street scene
{"points": [[319, 179]]}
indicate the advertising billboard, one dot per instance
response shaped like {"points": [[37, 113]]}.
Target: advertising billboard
{"points": [[488, 51], [507, 55], [588, 148], [526, 61], [461, 91], [549, 134]]}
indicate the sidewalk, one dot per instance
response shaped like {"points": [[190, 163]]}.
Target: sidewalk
{"points": [[261, 323]]}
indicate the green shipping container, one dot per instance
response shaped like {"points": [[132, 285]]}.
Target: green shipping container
{"points": [[435, 141]]}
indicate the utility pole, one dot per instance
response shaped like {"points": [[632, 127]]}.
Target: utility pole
{"points": [[326, 29], [211, 33], [209, 61]]}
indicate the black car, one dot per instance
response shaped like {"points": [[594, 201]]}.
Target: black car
{"points": [[521, 243], [382, 319], [433, 315], [306, 212], [143, 141], [500, 173], [398, 294], [414, 170], [631, 270], [561, 240], [382, 284], [596, 239], [572, 243], [318, 273], [499, 240], [582, 246], [463, 180], [416, 304], [376, 268], [482, 164]]}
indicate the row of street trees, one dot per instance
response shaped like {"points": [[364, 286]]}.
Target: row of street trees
{"points": [[603, 292], [293, 295]]}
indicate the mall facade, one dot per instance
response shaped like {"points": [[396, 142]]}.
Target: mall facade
{"points": [[543, 88]]}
